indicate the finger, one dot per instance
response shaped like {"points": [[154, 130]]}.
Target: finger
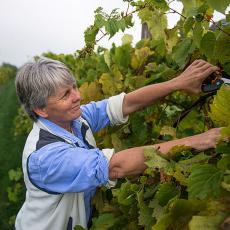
{"points": [[208, 71], [205, 66], [198, 62]]}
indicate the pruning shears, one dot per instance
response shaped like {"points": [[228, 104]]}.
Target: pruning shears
{"points": [[214, 82]]}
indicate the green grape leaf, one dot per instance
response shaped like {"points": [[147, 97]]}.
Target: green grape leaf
{"points": [[127, 39], [181, 51], [180, 177], [154, 160], [223, 147], [107, 58], [23, 124], [226, 183], [128, 21], [99, 18], [191, 6], [186, 165], [177, 151], [117, 143], [220, 5], [188, 24], [204, 181], [205, 222], [160, 73], [158, 210], [186, 207], [156, 21], [228, 17], [15, 175], [126, 194], [14, 193], [159, 4], [122, 56], [220, 108], [196, 118], [139, 129], [208, 40], [159, 46], [104, 221], [225, 132], [79, 227], [163, 222], [226, 68], [180, 210], [197, 33], [172, 38], [112, 27], [166, 192], [222, 50], [90, 35], [168, 130], [224, 163], [145, 217]]}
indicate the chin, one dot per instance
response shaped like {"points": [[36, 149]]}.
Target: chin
{"points": [[78, 114]]}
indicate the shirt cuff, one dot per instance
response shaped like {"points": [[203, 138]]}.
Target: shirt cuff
{"points": [[108, 153], [114, 110]]}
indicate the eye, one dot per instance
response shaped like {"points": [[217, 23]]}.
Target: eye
{"points": [[65, 95]]}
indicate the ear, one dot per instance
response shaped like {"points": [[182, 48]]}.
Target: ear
{"points": [[41, 112]]}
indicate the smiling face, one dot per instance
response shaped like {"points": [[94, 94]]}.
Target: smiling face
{"points": [[63, 107]]}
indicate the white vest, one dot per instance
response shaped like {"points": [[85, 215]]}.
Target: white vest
{"points": [[45, 211]]}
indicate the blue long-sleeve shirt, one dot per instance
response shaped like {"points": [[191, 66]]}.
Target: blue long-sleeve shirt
{"points": [[60, 167]]}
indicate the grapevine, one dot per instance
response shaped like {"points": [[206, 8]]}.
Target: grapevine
{"points": [[191, 190]]}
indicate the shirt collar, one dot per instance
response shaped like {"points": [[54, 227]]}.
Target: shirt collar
{"points": [[61, 132]]}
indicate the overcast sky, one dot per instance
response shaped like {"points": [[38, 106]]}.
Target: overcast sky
{"points": [[32, 27]]}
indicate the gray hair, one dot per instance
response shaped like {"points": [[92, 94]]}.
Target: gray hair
{"points": [[38, 80]]}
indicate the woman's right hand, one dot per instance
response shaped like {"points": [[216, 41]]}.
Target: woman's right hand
{"points": [[191, 79]]}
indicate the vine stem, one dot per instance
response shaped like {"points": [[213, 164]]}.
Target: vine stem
{"points": [[172, 11], [217, 26], [169, 2], [126, 15], [127, 9], [104, 34], [200, 102]]}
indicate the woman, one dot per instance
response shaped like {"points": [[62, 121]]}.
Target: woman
{"points": [[62, 165]]}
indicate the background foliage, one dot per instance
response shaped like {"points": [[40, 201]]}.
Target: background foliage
{"points": [[189, 190], [12, 188]]}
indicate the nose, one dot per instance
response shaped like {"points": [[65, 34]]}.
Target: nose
{"points": [[76, 96]]}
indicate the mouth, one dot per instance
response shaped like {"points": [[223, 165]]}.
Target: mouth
{"points": [[76, 107]]}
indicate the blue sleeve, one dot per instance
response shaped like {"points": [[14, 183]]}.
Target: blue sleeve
{"points": [[95, 114], [60, 167]]}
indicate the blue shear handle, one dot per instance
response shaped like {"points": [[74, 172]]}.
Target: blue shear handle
{"points": [[212, 87]]}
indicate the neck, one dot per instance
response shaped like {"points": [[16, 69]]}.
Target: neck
{"points": [[66, 126]]}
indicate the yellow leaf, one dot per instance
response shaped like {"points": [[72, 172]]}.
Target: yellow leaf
{"points": [[140, 56], [134, 62], [111, 85], [167, 130], [220, 108], [90, 92]]}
